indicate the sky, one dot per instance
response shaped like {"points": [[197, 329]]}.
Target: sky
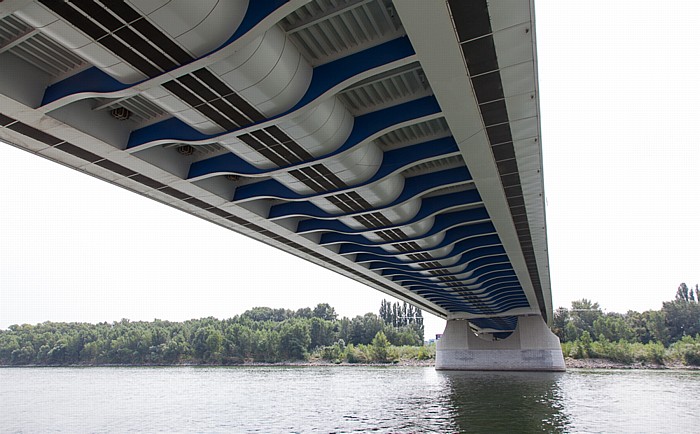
{"points": [[619, 95]]}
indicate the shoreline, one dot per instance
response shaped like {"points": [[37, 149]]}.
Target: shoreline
{"points": [[609, 364], [593, 364]]}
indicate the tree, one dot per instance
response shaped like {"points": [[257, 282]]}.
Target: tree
{"points": [[362, 329], [559, 322], [322, 332], [682, 293], [399, 315], [682, 318], [385, 311], [325, 312], [613, 327], [295, 339], [304, 312], [380, 347], [418, 324], [584, 313], [656, 326], [571, 333]]}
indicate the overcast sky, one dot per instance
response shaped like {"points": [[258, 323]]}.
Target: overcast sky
{"points": [[619, 95]]}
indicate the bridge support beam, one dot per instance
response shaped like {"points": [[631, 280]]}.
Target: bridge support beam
{"points": [[531, 347]]}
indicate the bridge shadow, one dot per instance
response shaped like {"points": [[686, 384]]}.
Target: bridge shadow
{"points": [[506, 401]]}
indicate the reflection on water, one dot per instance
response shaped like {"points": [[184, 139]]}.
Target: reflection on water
{"points": [[345, 399], [506, 401]]}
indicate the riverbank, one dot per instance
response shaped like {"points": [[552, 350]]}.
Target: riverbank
{"points": [[301, 363], [571, 363], [609, 364]]}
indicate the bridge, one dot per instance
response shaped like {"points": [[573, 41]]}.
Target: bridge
{"points": [[394, 142]]}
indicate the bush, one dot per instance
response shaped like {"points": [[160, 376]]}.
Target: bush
{"points": [[621, 351], [691, 356], [687, 350], [358, 354], [566, 348], [332, 353], [426, 352], [653, 352], [380, 348]]}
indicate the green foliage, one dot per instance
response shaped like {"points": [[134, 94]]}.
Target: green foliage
{"points": [[325, 312], [560, 322], [261, 334], [677, 318], [620, 351], [380, 348], [334, 353], [687, 350], [295, 339], [406, 317], [682, 318], [322, 332], [649, 337], [423, 352], [380, 351]]}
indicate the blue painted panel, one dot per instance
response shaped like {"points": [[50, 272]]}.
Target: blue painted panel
{"points": [[467, 306], [413, 187], [506, 298], [429, 207], [483, 273], [422, 283], [474, 259], [454, 301], [501, 263], [498, 276], [324, 78], [364, 127], [392, 161], [460, 248], [94, 80], [504, 323], [457, 234], [217, 164], [329, 75], [90, 80], [443, 222], [172, 127]]}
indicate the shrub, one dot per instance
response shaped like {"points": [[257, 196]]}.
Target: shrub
{"points": [[426, 352], [653, 352], [358, 354], [691, 356], [566, 348], [331, 352], [687, 350]]}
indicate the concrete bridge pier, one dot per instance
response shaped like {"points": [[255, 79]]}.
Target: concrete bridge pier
{"points": [[531, 347]]}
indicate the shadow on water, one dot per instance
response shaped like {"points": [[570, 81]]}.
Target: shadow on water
{"points": [[506, 401]]}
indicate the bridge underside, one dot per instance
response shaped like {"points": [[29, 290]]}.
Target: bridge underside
{"points": [[396, 143]]}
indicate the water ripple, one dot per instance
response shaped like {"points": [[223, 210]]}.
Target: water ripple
{"points": [[340, 399]]}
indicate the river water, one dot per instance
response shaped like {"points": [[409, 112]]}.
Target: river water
{"points": [[345, 399]]}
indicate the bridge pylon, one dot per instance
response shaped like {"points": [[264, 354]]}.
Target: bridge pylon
{"points": [[530, 347]]}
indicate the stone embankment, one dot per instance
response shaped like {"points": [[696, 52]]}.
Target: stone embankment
{"points": [[608, 364]]}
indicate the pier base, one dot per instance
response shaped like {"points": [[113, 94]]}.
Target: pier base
{"points": [[531, 347]]}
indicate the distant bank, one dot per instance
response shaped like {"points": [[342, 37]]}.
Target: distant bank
{"points": [[571, 363]]}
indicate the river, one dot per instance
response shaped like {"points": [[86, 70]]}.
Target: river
{"points": [[345, 399]]}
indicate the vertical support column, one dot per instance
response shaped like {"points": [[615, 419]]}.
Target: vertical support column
{"points": [[531, 347]]}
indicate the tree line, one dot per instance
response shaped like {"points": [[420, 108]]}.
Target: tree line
{"points": [[261, 334], [669, 334]]}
